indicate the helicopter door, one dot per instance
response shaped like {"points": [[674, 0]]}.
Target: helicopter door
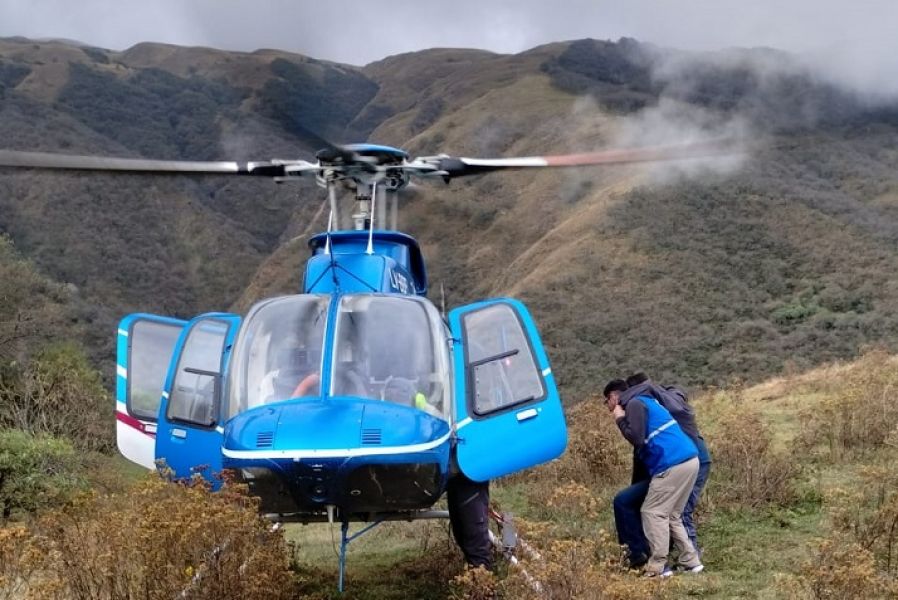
{"points": [[508, 412], [190, 430], [144, 349]]}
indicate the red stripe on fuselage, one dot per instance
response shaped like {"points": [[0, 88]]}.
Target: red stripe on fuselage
{"points": [[133, 423]]}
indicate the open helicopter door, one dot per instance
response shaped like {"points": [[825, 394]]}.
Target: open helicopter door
{"points": [[508, 412], [144, 349], [190, 429]]}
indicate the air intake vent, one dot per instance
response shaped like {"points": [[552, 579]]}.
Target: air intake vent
{"points": [[264, 439], [371, 436]]}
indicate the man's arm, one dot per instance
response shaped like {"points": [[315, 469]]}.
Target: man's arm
{"points": [[632, 423]]}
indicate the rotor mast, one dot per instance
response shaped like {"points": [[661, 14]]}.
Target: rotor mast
{"points": [[375, 196]]}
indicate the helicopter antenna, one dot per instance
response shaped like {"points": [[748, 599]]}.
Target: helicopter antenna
{"points": [[370, 249], [327, 243]]}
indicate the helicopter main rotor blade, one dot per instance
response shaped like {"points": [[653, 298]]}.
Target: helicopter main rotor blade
{"points": [[72, 162], [450, 166]]}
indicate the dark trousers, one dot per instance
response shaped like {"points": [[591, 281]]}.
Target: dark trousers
{"points": [[628, 520], [703, 470], [469, 503]]}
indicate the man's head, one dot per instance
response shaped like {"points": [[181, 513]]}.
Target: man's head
{"points": [[612, 392], [637, 378]]}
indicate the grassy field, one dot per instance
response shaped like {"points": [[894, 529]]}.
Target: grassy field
{"points": [[802, 503], [760, 536]]}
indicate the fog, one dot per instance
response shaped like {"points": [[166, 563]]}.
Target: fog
{"points": [[852, 43]]}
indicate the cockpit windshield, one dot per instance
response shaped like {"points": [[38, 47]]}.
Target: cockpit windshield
{"points": [[278, 353], [388, 348], [391, 348]]}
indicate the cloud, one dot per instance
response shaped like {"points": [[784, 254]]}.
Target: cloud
{"points": [[853, 44]]}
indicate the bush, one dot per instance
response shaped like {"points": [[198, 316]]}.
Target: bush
{"points": [[596, 452], [160, 540], [19, 561], [474, 584], [868, 515], [60, 394], [748, 472], [36, 472], [578, 567], [32, 308], [839, 569], [859, 412]]}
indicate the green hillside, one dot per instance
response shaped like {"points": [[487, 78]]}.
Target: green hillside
{"points": [[702, 275], [764, 279]]}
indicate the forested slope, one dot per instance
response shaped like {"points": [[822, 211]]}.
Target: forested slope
{"points": [[702, 273]]}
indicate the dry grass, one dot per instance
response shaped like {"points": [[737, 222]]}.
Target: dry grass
{"points": [[858, 413], [159, 540]]}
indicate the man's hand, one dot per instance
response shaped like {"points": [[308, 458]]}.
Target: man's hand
{"points": [[618, 412]]}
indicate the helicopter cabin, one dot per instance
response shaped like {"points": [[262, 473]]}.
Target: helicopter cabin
{"points": [[362, 401]]}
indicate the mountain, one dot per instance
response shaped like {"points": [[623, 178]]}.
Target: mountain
{"points": [[701, 273]]}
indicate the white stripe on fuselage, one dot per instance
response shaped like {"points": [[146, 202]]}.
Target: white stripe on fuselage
{"points": [[464, 422], [334, 453]]}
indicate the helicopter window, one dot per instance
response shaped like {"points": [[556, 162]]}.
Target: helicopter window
{"points": [[194, 395], [502, 369], [151, 349], [392, 349], [278, 352]]}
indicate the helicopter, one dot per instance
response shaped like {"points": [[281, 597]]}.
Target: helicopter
{"points": [[356, 399]]}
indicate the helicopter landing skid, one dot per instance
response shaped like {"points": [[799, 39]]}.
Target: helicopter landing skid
{"points": [[507, 543]]}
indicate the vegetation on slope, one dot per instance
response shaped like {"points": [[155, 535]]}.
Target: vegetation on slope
{"points": [[706, 278], [800, 504]]}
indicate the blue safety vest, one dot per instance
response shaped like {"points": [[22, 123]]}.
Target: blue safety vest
{"points": [[666, 445]]}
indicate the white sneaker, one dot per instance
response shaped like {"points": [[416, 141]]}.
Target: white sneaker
{"points": [[695, 569]]}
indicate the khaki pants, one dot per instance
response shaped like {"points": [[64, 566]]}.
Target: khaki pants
{"points": [[662, 515]]}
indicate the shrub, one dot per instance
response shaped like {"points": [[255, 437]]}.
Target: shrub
{"points": [[839, 569], [161, 540], [60, 394], [36, 472], [583, 567], [596, 452], [19, 561], [474, 584], [858, 412], [748, 472], [868, 515]]}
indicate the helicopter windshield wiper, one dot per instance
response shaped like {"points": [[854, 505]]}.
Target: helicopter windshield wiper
{"points": [[494, 358]]}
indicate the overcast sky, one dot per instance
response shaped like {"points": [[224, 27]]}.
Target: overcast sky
{"points": [[859, 38]]}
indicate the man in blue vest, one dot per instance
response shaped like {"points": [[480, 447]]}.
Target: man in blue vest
{"points": [[674, 399], [671, 459]]}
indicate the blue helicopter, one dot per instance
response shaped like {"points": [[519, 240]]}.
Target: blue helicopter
{"points": [[355, 399]]}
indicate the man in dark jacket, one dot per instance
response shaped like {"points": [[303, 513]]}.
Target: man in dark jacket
{"points": [[628, 502], [671, 459]]}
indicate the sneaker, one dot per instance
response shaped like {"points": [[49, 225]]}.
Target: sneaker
{"points": [[667, 572], [695, 569]]}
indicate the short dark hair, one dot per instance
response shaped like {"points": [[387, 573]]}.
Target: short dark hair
{"points": [[637, 378], [615, 385]]}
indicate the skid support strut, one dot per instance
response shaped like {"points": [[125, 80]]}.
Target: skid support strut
{"points": [[345, 538], [508, 541]]}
